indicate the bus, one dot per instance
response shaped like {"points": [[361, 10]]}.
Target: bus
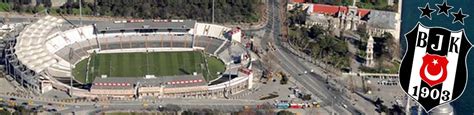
{"points": [[283, 105]]}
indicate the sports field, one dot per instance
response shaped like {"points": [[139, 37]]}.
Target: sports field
{"points": [[152, 63]]}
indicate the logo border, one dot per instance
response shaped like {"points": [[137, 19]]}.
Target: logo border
{"points": [[418, 24]]}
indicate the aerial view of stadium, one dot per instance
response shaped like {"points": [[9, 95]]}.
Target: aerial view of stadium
{"points": [[236, 57], [164, 58]]}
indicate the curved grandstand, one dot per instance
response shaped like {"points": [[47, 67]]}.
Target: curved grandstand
{"points": [[131, 58]]}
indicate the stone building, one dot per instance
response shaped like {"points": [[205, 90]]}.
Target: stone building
{"points": [[350, 18], [343, 17], [183, 86]]}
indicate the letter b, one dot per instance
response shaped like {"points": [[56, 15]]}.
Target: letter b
{"points": [[421, 39]]}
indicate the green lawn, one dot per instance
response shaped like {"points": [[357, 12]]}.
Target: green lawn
{"points": [[214, 65], [141, 64]]}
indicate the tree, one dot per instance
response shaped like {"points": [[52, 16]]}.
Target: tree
{"points": [[315, 50], [5, 7], [29, 9], [47, 3], [86, 10], [378, 102], [317, 41], [187, 113], [38, 8], [267, 109], [225, 10], [284, 80], [384, 109], [297, 17], [391, 45], [285, 112], [172, 107], [346, 2], [315, 31], [306, 97], [246, 111], [145, 8]]}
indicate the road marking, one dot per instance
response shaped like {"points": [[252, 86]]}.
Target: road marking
{"points": [[284, 56], [292, 64]]}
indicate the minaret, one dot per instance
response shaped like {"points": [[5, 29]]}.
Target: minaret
{"points": [[370, 52]]}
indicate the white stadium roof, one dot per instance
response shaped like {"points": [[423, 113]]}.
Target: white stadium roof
{"points": [[30, 48], [38, 44]]}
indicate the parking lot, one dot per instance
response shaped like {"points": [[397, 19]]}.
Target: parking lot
{"points": [[387, 89]]}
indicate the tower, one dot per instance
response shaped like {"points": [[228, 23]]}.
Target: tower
{"points": [[370, 52], [352, 16]]}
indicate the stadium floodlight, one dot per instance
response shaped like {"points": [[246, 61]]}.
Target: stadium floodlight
{"points": [[80, 12], [70, 67], [213, 11]]}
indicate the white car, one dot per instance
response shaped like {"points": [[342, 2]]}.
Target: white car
{"points": [[344, 105]]}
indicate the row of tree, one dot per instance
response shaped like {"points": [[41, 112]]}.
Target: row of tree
{"points": [[264, 109], [24, 5], [201, 10], [378, 5], [367, 4], [317, 41], [28, 2], [225, 10]]}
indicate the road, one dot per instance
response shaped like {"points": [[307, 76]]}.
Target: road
{"points": [[313, 82], [218, 104], [184, 104]]}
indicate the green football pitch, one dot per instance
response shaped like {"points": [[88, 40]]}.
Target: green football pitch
{"points": [[152, 63]]}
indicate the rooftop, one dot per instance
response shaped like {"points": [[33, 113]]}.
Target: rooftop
{"points": [[334, 10], [144, 24], [382, 19], [297, 1], [113, 83], [174, 81], [167, 81]]}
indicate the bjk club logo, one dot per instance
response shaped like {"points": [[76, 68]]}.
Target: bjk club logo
{"points": [[433, 71]]}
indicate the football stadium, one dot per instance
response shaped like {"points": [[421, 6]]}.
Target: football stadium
{"points": [[147, 63], [129, 58]]}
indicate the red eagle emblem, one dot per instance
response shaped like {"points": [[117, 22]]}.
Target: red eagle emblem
{"points": [[433, 71]]}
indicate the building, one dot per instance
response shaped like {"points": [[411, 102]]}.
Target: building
{"points": [[20, 65], [114, 87], [183, 86], [350, 18], [293, 3]]}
